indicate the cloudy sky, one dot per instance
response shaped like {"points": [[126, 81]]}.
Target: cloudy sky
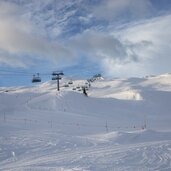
{"points": [[118, 38]]}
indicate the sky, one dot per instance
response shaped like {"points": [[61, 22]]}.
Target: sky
{"points": [[117, 38]]}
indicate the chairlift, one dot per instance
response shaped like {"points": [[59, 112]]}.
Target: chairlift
{"points": [[70, 82], [36, 78], [66, 85]]}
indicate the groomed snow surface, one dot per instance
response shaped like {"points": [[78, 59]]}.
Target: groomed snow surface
{"points": [[123, 124]]}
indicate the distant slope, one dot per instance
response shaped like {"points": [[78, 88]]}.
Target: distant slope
{"points": [[121, 125]]}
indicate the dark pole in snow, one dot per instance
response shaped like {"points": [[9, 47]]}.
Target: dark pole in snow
{"points": [[145, 121], [106, 127], [58, 82]]}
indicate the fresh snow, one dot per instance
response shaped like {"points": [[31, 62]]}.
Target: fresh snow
{"points": [[123, 124]]}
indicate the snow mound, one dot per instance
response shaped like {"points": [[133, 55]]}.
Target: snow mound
{"points": [[132, 137], [142, 136], [126, 95], [160, 82], [118, 89]]}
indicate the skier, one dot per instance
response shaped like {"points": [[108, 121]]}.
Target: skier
{"points": [[84, 91]]}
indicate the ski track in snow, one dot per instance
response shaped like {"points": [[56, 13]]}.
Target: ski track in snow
{"points": [[142, 156], [47, 143]]}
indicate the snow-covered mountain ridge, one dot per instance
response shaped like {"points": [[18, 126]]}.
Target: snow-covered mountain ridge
{"points": [[123, 124]]}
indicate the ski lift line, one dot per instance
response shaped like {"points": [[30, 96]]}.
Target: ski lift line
{"points": [[13, 73], [10, 71], [6, 74], [21, 72]]}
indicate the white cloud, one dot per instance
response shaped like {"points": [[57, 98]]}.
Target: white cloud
{"points": [[98, 45], [20, 37], [136, 50], [142, 48], [108, 51], [114, 9], [12, 60], [150, 42], [156, 57], [111, 68]]}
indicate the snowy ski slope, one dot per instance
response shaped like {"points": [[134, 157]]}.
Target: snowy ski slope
{"points": [[123, 124]]}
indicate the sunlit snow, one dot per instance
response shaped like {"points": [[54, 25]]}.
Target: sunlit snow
{"points": [[123, 124]]}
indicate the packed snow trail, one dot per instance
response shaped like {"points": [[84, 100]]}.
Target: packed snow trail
{"points": [[41, 129], [142, 156]]}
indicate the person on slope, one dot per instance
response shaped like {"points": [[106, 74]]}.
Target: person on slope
{"points": [[84, 91]]}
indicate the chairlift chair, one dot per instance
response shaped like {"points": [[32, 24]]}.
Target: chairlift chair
{"points": [[66, 85], [70, 82], [36, 78]]}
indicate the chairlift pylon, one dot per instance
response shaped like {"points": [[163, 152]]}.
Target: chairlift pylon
{"points": [[54, 73], [56, 78]]}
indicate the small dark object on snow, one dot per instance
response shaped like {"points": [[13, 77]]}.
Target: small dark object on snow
{"points": [[84, 91]]}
